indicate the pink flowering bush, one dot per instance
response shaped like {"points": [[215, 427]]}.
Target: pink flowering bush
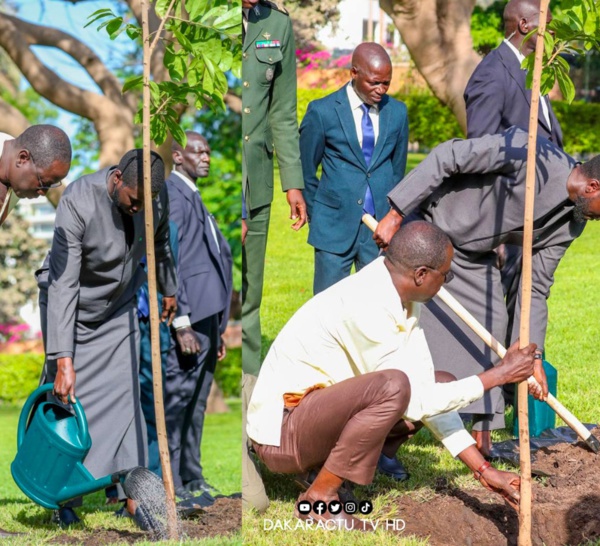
{"points": [[11, 333]]}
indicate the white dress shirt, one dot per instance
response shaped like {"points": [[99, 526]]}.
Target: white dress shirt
{"points": [[184, 321], [357, 326], [357, 113], [544, 98]]}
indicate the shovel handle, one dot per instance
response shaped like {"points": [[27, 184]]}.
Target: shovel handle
{"points": [[497, 347]]}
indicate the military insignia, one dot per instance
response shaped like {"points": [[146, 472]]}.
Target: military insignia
{"points": [[266, 36], [261, 44], [269, 74]]}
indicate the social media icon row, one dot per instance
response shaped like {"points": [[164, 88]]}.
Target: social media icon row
{"points": [[335, 507]]}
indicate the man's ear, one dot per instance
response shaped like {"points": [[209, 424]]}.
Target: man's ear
{"points": [[592, 186], [419, 275], [177, 157], [23, 156]]}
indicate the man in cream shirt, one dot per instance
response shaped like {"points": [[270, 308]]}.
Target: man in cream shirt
{"points": [[350, 376], [31, 164]]}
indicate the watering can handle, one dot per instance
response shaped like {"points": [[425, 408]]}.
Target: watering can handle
{"points": [[28, 406]]}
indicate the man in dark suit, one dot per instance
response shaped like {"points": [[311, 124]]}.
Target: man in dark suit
{"points": [[359, 136], [204, 271], [496, 98], [475, 190]]}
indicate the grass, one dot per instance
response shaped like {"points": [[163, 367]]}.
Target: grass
{"points": [[570, 347], [220, 459]]}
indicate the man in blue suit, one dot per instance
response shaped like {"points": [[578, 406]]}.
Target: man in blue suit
{"points": [[359, 136], [204, 271], [496, 96]]}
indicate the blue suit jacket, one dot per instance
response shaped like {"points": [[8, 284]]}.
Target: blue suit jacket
{"points": [[496, 98], [328, 138], [204, 273]]}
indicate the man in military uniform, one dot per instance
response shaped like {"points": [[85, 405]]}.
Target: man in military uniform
{"points": [[269, 123]]}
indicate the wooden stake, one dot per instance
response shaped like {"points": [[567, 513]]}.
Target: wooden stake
{"points": [[524, 446], [159, 408]]}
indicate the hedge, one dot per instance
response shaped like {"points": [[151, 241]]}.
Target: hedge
{"points": [[20, 375], [430, 122]]}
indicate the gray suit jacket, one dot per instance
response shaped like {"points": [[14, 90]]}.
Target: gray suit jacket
{"points": [[92, 271], [203, 270], [475, 191]]}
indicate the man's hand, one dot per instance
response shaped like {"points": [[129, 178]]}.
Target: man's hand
{"points": [[64, 383], [169, 306], [539, 391], [222, 350], [297, 208], [389, 224], [506, 484], [516, 366], [244, 231], [188, 341]]}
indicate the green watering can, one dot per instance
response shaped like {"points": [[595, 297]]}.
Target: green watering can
{"points": [[51, 448]]}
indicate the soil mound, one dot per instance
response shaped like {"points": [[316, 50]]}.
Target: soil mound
{"points": [[565, 507]]}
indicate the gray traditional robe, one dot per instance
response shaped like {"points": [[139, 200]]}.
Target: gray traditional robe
{"points": [[475, 191], [87, 289]]}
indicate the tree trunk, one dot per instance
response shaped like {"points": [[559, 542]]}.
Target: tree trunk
{"points": [[438, 37]]}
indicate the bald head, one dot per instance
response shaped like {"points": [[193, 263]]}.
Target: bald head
{"points": [[371, 72], [418, 243], [370, 55], [520, 18]]}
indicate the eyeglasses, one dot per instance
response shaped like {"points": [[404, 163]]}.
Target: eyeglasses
{"points": [[448, 276], [43, 186]]}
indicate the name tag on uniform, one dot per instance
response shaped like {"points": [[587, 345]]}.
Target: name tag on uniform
{"points": [[267, 43]]}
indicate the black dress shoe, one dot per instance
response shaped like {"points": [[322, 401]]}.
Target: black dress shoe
{"points": [[193, 506], [345, 493], [393, 468], [197, 487], [65, 517]]}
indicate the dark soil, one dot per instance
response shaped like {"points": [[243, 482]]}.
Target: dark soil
{"points": [[221, 519], [565, 507]]}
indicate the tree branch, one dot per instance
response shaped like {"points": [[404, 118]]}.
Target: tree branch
{"points": [[12, 121]]}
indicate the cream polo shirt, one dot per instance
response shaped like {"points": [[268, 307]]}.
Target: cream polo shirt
{"points": [[355, 327]]}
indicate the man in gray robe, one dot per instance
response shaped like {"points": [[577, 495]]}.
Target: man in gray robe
{"points": [[474, 190], [87, 300]]}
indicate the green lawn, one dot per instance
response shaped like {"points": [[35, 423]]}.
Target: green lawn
{"points": [[220, 459], [571, 341]]}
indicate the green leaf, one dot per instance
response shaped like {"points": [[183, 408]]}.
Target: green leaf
{"points": [[113, 27], [176, 131], [99, 14], [183, 41], [133, 31], [548, 44], [227, 20], [161, 7], [547, 79], [208, 79], [217, 11], [566, 86], [155, 91], [134, 82], [196, 8]]}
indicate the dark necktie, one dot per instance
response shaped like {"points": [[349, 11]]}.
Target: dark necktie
{"points": [[368, 145]]}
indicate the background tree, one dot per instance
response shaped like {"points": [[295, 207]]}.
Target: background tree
{"points": [[20, 255], [308, 17]]}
